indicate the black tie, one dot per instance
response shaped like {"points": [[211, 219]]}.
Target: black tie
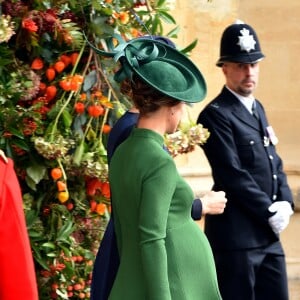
{"points": [[254, 110]]}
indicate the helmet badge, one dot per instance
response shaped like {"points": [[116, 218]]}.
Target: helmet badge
{"points": [[246, 40]]}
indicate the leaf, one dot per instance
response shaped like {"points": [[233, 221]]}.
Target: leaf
{"points": [[100, 27], [37, 257], [66, 250], [165, 17], [65, 231], [34, 234], [21, 144], [74, 31], [78, 154], [174, 32], [89, 81], [190, 47], [16, 132], [47, 54], [48, 245], [154, 26], [36, 172], [31, 217], [30, 183], [51, 254], [91, 135], [79, 121], [67, 118], [160, 3], [63, 295]]}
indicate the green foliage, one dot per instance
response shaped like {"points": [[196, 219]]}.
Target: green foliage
{"points": [[48, 123]]}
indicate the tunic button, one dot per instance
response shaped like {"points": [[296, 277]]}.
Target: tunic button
{"points": [[274, 197], [271, 157], [274, 176], [251, 142]]}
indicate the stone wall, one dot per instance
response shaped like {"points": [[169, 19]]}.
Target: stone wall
{"points": [[277, 25]]}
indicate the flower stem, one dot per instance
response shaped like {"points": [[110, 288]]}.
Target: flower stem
{"points": [[62, 169], [104, 117], [54, 128]]}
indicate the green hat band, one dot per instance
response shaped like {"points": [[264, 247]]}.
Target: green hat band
{"points": [[161, 66]]}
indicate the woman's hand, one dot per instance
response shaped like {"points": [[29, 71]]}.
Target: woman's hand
{"points": [[213, 203]]}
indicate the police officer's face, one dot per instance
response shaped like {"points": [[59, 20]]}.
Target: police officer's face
{"points": [[240, 77]]}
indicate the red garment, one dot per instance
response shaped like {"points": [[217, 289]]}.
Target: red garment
{"points": [[17, 275]]}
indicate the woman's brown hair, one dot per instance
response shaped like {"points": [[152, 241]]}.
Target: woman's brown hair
{"points": [[145, 98]]}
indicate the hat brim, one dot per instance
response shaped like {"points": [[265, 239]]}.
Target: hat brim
{"points": [[250, 58], [157, 72]]}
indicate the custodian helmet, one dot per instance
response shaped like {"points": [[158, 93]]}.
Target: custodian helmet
{"points": [[239, 43]]}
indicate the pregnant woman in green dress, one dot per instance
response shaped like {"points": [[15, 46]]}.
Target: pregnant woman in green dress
{"points": [[164, 255]]}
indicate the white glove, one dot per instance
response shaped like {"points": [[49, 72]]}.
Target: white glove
{"points": [[281, 219]]}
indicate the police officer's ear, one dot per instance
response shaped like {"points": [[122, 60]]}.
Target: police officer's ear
{"points": [[224, 68]]}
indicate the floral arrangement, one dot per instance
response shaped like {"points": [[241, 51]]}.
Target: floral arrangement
{"points": [[186, 138], [58, 103]]}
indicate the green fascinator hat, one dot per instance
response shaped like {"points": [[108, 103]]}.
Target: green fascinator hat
{"points": [[160, 65]]}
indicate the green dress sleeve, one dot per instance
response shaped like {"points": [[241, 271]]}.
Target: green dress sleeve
{"points": [[157, 190]]}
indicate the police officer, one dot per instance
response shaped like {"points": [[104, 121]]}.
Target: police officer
{"points": [[241, 151]]}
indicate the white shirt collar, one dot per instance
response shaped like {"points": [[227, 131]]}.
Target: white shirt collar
{"points": [[246, 101]]}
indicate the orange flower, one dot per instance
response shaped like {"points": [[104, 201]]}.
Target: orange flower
{"points": [[76, 81], [93, 186], [106, 128], [65, 84], [105, 102], [42, 87], [46, 273], [93, 205], [78, 78], [59, 66], [56, 173], [79, 108], [97, 94], [61, 186], [37, 64], [100, 208], [66, 59], [105, 190], [74, 57], [29, 25], [95, 110], [116, 15], [83, 96], [124, 17], [50, 74], [134, 32], [50, 93]]}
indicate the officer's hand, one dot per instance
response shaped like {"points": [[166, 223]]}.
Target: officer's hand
{"points": [[280, 220], [213, 203], [2, 155]]}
